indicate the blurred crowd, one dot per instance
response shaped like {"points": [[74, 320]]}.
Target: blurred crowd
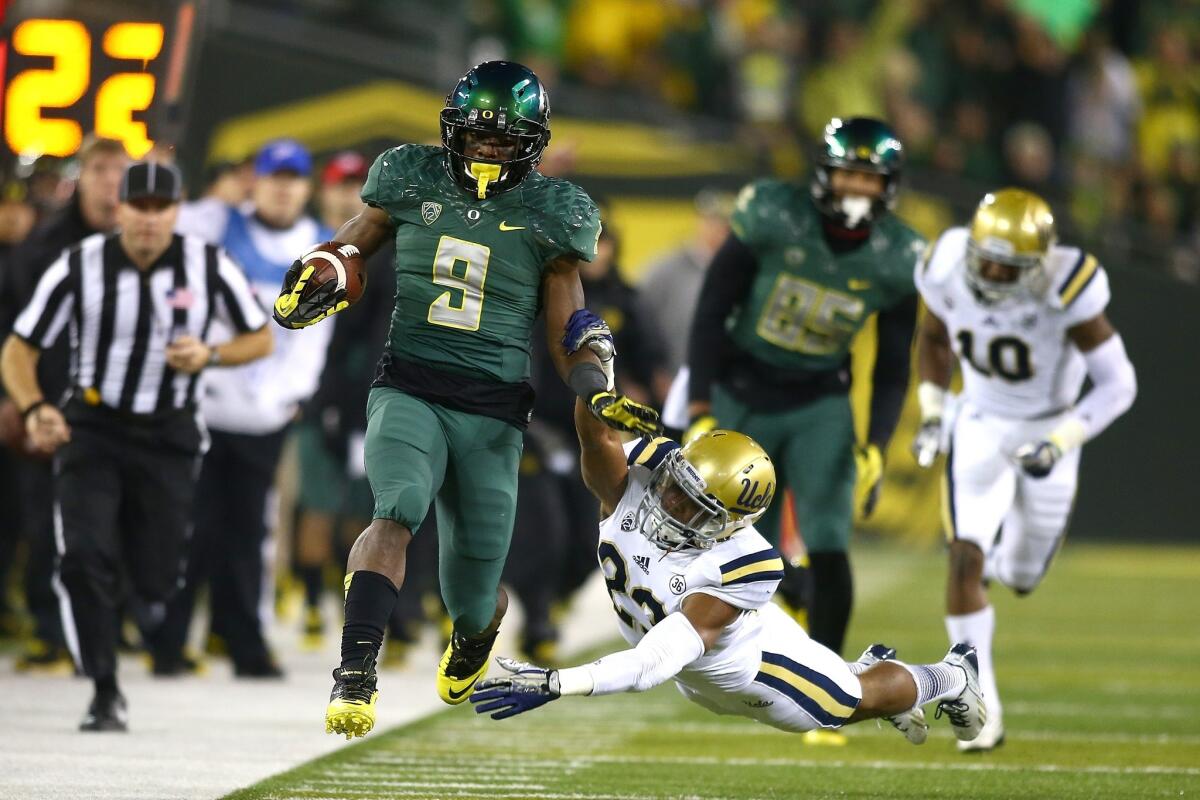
{"points": [[1094, 105]]}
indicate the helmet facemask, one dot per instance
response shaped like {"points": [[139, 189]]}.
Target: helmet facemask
{"points": [[487, 177], [850, 211], [1030, 280], [677, 512]]}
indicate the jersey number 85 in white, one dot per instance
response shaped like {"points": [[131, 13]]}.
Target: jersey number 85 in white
{"points": [[461, 305]]}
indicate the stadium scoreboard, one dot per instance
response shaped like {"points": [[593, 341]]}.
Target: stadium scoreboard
{"points": [[113, 68]]}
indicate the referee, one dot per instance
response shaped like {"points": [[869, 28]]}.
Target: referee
{"points": [[127, 440]]}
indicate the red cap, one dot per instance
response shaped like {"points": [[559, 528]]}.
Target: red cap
{"points": [[344, 166]]}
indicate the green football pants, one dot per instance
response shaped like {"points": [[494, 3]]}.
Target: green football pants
{"points": [[417, 452], [813, 450]]}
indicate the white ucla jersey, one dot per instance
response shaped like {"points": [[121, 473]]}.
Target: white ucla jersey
{"points": [[1015, 356], [647, 583]]}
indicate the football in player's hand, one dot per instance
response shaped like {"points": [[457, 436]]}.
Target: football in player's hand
{"points": [[339, 263]]}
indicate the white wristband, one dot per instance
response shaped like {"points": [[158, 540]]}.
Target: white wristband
{"points": [[575, 681], [932, 400], [1069, 434]]}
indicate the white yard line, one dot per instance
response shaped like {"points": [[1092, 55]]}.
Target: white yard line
{"points": [[575, 762], [201, 738]]}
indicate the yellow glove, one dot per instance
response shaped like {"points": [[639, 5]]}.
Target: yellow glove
{"points": [[869, 462], [618, 411], [293, 310], [699, 426]]}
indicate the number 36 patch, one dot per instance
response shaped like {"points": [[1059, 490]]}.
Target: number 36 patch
{"points": [[677, 584]]}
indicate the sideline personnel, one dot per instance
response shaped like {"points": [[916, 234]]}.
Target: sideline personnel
{"points": [[126, 444]]}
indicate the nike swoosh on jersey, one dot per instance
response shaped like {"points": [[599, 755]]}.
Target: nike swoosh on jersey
{"points": [[858, 285], [504, 226], [455, 695]]}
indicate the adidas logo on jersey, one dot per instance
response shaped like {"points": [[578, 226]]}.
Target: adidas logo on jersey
{"points": [[643, 562]]}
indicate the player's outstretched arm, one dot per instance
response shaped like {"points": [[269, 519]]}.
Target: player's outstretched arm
{"points": [[1114, 388], [570, 330], [935, 367], [601, 459], [663, 652]]}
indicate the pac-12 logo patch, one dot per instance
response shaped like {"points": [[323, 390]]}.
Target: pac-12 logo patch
{"points": [[677, 584], [627, 522], [430, 211]]}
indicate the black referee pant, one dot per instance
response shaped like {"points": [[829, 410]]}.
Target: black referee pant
{"points": [[123, 497], [227, 548]]}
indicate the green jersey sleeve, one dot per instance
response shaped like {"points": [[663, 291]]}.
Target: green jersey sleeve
{"points": [[752, 212], [394, 172], [571, 220]]}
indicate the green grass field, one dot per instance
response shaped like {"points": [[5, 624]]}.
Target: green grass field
{"points": [[1100, 671]]}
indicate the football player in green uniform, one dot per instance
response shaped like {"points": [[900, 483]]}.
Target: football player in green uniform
{"points": [[484, 244], [802, 271]]}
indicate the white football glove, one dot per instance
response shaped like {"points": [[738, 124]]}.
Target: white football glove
{"points": [[927, 442], [1038, 458]]}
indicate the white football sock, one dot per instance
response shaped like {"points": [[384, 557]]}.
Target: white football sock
{"points": [[936, 681], [976, 629]]}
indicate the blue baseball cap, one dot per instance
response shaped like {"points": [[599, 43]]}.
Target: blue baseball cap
{"points": [[283, 155]]}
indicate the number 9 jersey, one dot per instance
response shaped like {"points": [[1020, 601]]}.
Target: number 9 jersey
{"points": [[1016, 358], [469, 271]]}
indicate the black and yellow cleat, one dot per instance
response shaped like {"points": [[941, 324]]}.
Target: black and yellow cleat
{"points": [[313, 637], [42, 658], [823, 737], [464, 662], [542, 651], [351, 709]]}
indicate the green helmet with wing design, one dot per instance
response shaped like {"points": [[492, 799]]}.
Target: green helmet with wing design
{"points": [[505, 105]]}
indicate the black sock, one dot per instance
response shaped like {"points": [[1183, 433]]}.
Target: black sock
{"points": [[311, 577], [369, 602], [106, 684], [794, 588], [831, 600]]}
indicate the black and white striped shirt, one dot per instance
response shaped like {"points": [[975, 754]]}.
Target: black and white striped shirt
{"points": [[121, 318]]}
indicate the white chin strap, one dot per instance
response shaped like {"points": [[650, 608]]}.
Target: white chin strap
{"points": [[856, 208]]}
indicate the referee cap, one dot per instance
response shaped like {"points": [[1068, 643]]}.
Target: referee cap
{"points": [[148, 179]]}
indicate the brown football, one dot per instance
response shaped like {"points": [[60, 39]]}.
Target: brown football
{"points": [[340, 263]]}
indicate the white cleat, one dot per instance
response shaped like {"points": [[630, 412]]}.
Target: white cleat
{"points": [[966, 712], [911, 723], [991, 737]]}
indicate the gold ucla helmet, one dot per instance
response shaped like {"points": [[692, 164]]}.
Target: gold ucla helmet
{"points": [[1015, 228], [705, 492]]}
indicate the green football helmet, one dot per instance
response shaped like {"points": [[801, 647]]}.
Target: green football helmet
{"points": [[858, 143], [500, 99]]}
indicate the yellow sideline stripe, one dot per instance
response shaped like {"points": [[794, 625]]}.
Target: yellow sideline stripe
{"points": [[769, 565], [822, 697]]}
